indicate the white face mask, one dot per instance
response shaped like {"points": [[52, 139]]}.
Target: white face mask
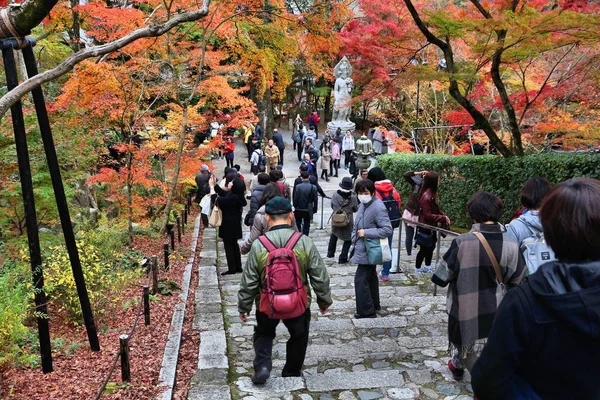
{"points": [[365, 198]]}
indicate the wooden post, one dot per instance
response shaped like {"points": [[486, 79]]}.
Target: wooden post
{"points": [[31, 221], [437, 256], [178, 219], [61, 200], [146, 305], [399, 245], [186, 211], [166, 251], [172, 235], [154, 263], [125, 370]]}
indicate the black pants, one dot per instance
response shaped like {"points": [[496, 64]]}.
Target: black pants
{"points": [[426, 253], [281, 155], [300, 149], [347, 155], [250, 149], [366, 288], [333, 164], [345, 248], [229, 161], [324, 172], [295, 350], [233, 255], [410, 234], [302, 221]]}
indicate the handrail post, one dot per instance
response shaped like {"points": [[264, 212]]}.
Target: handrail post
{"points": [[399, 246], [125, 369], [322, 199]]}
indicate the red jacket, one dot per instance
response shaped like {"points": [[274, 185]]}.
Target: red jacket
{"points": [[385, 186], [229, 148], [429, 210]]}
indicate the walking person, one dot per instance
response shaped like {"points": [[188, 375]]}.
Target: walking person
{"points": [[310, 268], [430, 214], [229, 151], [313, 122], [299, 140], [335, 158], [305, 203], [278, 140], [325, 159], [247, 136], [545, 338], [377, 141], [314, 157], [477, 267], [345, 203], [297, 133], [348, 147], [415, 180], [527, 228], [272, 154], [372, 222], [255, 196], [312, 179], [231, 201]]}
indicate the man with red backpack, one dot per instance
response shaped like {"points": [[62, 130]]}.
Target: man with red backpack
{"points": [[276, 278]]}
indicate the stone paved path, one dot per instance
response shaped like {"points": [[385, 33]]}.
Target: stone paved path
{"points": [[399, 355]]}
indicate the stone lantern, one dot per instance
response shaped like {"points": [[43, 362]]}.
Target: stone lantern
{"points": [[364, 149]]}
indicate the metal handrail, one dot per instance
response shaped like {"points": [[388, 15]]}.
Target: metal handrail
{"points": [[438, 244]]}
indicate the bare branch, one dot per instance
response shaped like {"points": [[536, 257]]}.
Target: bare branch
{"points": [[481, 9], [431, 38], [153, 30]]}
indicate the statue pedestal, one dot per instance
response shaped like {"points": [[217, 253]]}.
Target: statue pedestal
{"points": [[344, 125]]}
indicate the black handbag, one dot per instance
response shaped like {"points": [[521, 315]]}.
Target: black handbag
{"points": [[424, 239]]}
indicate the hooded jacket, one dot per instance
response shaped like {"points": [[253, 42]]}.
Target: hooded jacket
{"points": [[522, 227], [384, 187], [547, 334]]}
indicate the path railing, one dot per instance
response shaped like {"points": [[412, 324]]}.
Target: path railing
{"points": [[151, 266]]}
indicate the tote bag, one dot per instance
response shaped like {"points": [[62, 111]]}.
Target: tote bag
{"points": [[378, 251], [216, 216]]}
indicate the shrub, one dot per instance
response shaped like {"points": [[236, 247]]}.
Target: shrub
{"points": [[461, 176], [101, 278], [14, 309]]}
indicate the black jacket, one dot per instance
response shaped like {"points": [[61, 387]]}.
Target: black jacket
{"points": [[278, 140], [231, 206], [546, 333], [305, 197], [202, 185], [254, 202], [312, 179]]}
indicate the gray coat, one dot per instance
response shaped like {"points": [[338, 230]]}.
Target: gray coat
{"points": [[349, 208], [373, 218]]}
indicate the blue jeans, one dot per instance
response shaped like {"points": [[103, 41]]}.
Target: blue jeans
{"points": [[385, 270]]}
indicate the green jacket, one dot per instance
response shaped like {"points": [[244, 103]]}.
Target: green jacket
{"points": [[310, 263]]}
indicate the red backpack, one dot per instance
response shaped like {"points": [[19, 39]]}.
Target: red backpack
{"points": [[284, 295], [282, 187]]}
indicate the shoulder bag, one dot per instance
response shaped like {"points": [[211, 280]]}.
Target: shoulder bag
{"points": [[340, 218], [216, 216], [493, 259]]}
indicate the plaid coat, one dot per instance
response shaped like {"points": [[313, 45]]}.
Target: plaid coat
{"points": [[474, 293]]}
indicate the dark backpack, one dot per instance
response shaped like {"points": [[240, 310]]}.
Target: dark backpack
{"points": [[297, 136], [392, 206], [284, 295]]}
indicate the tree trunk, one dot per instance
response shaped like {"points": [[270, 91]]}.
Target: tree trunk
{"points": [[74, 32], [175, 177], [265, 113], [327, 106], [130, 196]]}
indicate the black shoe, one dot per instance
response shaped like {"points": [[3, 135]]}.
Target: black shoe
{"points": [[330, 256], [336, 175], [457, 373], [228, 273], [378, 308], [342, 261], [358, 316], [261, 376], [285, 374]]}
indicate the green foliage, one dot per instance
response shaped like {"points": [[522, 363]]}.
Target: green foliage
{"points": [[100, 277], [14, 307], [461, 176], [167, 287]]}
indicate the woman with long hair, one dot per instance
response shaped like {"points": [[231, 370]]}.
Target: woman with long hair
{"points": [[429, 213]]}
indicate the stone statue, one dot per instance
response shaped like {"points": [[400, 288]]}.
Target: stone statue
{"points": [[342, 93]]}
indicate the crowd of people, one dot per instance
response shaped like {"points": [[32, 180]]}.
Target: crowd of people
{"points": [[523, 298]]}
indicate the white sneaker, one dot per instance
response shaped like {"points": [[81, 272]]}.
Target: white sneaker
{"points": [[427, 269], [418, 270]]}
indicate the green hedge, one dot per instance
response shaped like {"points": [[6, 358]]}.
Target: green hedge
{"points": [[461, 176]]}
